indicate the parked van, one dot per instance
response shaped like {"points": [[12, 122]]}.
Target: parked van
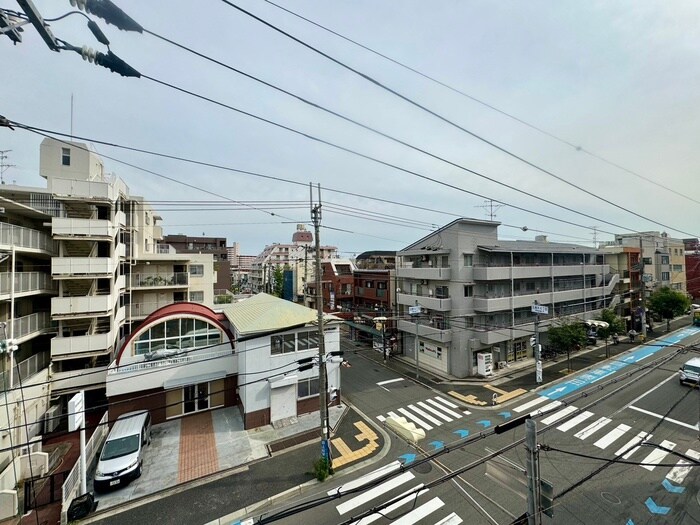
{"points": [[121, 459], [690, 371]]}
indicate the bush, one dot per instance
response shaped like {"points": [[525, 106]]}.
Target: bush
{"points": [[321, 469]]}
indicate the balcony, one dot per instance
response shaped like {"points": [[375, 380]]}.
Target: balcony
{"points": [[142, 309], [28, 326], [429, 273], [25, 239], [81, 346], [82, 266], [504, 273], [426, 331], [160, 280], [74, 380], [93, 228], [80, 306], [24, 371], [84, 189], [26, 283], [429, 302]]}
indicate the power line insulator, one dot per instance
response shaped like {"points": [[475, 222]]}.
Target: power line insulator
{"points": [[88, 54]]}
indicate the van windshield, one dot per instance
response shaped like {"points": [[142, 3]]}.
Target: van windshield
{"points": [[116, 448], [691, 369]]}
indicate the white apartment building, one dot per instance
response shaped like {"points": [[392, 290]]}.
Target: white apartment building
{"points": [[475, 294], [80, 265]]}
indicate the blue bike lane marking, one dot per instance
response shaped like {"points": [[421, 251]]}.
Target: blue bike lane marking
{"points": [[596, 374]]}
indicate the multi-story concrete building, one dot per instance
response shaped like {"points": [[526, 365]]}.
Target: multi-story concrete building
{"points": [[475, 293], [213, 245], [79, 268], [663, 258], [240, 268], [692, 268], [625, 261]]}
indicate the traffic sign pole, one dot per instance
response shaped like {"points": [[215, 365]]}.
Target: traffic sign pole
{"points": [[538, 309]]}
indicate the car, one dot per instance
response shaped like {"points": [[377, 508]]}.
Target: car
{"points": [[690, 372]]}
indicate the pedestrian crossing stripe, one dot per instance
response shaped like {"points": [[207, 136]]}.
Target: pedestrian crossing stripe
{"points": [[571, 423], [530, 404], [612, 436], [429, 413], [657, 455], [406, 497], [374, 492], [421, 512], [678, 473], [592, 428], [559, 415], [452, 519], [633, 445]]}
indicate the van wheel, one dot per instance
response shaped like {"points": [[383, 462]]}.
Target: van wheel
{"points": [[139, 470]]}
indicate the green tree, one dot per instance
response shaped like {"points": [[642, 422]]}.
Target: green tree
{"points": [[616, 324], [668, 304], [278, 281], [565, 336]]}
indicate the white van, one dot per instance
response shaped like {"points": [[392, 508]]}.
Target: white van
{"points": [[121, 459], [690, 371]]}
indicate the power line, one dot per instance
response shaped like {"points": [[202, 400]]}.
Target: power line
{"points": [[576, 147], [451, 123]]}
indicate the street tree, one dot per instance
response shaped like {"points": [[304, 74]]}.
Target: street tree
{"points": [[615, 324], [565, 335], [278, 281], [668, 303]]}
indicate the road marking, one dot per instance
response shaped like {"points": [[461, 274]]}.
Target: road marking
{"points": [[415, 419], [377, 515], [678, 473], [612, 436], [447, 402], [454, 414], [381, 419], [660, 416], [530, 404], [559, 415], [421, 512], [452, 519], [374, 492], [427, 416], [394, 415], [592, 428], [571, 423], [435, 411], [546, 408], [657, 455], [630, 447], [386, 469], [390, 381]]}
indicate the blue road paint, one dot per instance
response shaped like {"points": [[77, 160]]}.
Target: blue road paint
{"points": [[505, 415], [656, 509], [437, 444], [601, 372], [408, 458], [671, 487], [485, 422], [461, 433], [629, 522]]}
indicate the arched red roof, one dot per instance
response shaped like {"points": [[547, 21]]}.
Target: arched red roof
{"points": [[182, 307]]}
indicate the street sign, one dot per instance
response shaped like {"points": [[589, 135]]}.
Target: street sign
{"points": [[507, 478], [538, 373], [414, 310], [547, 497], [540, 309]]}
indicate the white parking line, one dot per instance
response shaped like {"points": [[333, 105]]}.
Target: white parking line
{"points": [[390, 381], [660, 416]]}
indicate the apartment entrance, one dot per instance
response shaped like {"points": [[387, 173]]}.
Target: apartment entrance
{"points": [[196, 397]]}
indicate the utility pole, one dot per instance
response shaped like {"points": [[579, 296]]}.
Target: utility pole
{"points": [[643, 294], [532, 466], [322, 388]]}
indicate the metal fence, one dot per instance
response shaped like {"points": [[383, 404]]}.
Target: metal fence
{"points": [[19, 236]]}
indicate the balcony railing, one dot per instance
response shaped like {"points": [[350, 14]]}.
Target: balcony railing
{"points": [[21, 237], [74, 380], [81, 305], [31, 324], [26, 282], [161, 363], [80, 345], [83, 227], [151, 280], [83, 265], [24, 370], [147, 308]]}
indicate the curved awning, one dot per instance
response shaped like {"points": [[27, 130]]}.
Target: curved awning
{"points": [[596, 323]]}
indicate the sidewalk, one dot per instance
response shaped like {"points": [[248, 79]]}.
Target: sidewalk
{"points": [[519, 377]]}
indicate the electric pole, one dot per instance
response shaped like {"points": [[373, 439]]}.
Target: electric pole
{"points": [[643, 294], [322, 388]]}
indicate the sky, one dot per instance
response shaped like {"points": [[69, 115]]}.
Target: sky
{"points": [[578, 120]]}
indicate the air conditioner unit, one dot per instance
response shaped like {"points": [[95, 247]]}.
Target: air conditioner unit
{"points": [[32, 447], [52, 418], [424, 281]]}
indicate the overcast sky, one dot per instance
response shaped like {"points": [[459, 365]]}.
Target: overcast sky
{"points": [[621, 80]]}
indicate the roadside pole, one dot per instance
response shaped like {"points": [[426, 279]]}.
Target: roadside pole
{"points": [[538, 309], [414, 311], [532, 467]]}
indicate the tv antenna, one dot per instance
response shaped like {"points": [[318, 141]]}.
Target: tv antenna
{"points": [[491, 208], [4, 167]]}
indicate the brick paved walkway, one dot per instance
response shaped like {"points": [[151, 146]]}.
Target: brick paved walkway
{"points": [[198, 455]]}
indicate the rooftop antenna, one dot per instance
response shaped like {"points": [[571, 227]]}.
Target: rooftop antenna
{"points": [[4, 167], [490, 208]]}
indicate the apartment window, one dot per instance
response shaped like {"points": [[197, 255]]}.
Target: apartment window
{"points": [[307, 340], [307, 388], [442, 292], [469, 322], [468, 290], [197, 270], [65, 156], [197, 297], [468, 259], [665, 276], [677, 267], [664, 259], [646, 260], [282, 344], [421, 347]]}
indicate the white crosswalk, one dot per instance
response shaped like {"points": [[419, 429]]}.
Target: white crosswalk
{"points": [[429, 413], [584, 426], [411, 507]]}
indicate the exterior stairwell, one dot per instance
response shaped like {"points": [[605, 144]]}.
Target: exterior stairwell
{"points": [[79, 248], [77, 287], [79, 210]]}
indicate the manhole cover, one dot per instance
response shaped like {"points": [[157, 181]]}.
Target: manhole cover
{"points": [[423, 468], [610, 498]]}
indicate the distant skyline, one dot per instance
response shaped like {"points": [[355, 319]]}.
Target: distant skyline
{"points": [[611, 87]]}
